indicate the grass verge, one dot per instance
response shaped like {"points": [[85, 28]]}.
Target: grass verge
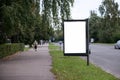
{"points": [[26, 48], [109, 44], [74, 68], [53, 47]]}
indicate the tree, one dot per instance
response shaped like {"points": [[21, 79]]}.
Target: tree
{"points": [[105, 28], [94, 25], [56, 10], [110, 20], [17, 19], [21, 20], [58, 34]]}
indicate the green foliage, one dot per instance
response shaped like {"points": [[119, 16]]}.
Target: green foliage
{"points": [[56, 10], [116, 36], [9, 49], [94, 25], [22, 21], [18, 19], [58, 34], [75, 68], [106, 28]]}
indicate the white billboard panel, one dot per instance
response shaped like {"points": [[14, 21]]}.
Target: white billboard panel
{"points": [[75, 37]]}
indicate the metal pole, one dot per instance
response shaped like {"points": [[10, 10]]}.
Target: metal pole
{"points": [[88, 60]]}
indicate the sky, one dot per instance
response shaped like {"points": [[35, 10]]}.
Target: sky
{"points": [[82, 8]]}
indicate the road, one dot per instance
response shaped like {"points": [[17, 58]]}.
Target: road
{"points": [[106, 57]]}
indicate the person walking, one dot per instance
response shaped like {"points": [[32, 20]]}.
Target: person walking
{"points": [[35, 45]]}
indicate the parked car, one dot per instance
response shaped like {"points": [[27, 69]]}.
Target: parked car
{"points": [[117, 45]]}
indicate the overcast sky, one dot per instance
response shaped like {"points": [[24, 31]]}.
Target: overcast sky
{"points": [[82, 8]]}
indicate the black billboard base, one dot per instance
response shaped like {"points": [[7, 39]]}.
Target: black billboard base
{"points": [[88, 60]]}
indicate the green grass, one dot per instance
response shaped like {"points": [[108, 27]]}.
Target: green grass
{"points": [[75, 68], [26, 48], [53, 47], [105, 43]]}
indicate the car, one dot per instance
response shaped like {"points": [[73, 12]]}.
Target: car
{"points": [[117, 45]]}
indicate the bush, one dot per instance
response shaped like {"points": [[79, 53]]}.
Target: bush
{"points": [[9, 49]]}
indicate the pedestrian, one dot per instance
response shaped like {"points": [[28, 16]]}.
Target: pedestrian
{"points": [[35, 45], [60, 42]]}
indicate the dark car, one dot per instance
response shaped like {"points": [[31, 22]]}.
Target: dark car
{"points": [[117, 45]]}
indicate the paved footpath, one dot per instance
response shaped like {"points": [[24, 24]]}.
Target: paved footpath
{"points": [[29, 65]]}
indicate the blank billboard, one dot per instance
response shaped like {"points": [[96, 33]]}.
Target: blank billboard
{"points": [[75, 37]]}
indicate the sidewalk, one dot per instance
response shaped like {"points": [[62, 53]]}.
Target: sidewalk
{"points": [[29, 65]]}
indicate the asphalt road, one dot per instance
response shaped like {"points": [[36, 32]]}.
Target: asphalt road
{"points": [[106, 57]]}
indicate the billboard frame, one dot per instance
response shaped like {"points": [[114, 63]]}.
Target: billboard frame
{"points": [[87, 39]]}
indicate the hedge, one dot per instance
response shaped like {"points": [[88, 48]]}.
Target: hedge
{"points": [[9, 49]]}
